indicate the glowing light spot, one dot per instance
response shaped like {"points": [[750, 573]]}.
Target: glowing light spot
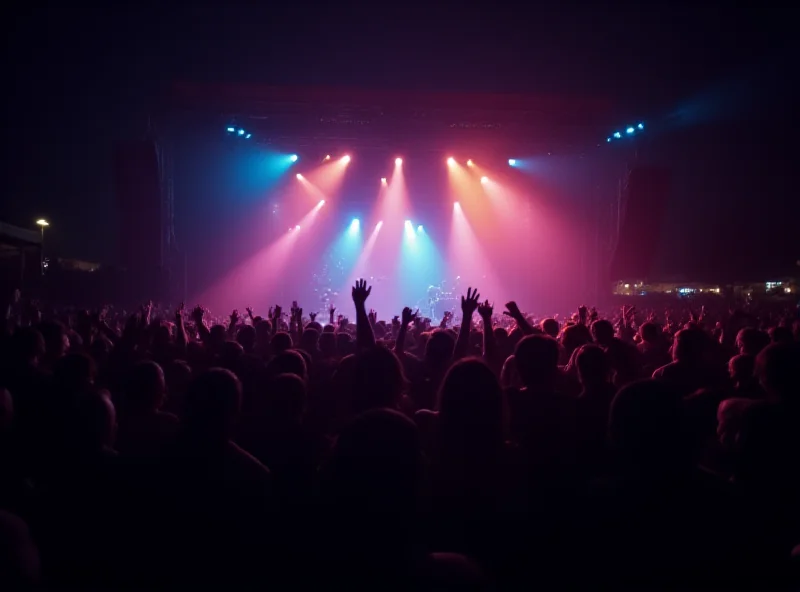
{"points": [[419, 228], [297, 227], [327, 157], [512, 162], [640, 126], [484, 180], [293, 158], [321, 202], [617, 135], [470, 163], [630, 130], [383, 181], [231, 129], [379, 224], [451, 161], [355, 225], [398, 161], [299, 177], [346, 158], [240, 132]]}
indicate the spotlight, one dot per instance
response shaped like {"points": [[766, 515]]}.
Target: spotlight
{"points": [[231, 130], [379, 224], [297, 227], [299, 177], [630, 130], [408, 223], [383, 181], [327, 157], [512, 162], [470, 163], [640, 126], [456, 205], [293, 158], [398, 161], [419, 228], [617, 135], [354, 225], [608, 139], [321, 202], [240, 132], [248, 136], [451, 161], [346, 158], [484, 180]]}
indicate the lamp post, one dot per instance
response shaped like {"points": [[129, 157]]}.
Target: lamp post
{"points": [[41, 222]]}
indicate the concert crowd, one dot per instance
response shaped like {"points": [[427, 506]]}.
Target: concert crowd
{"points": [[621, 449]]}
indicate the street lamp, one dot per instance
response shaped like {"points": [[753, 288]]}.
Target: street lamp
{"points": [[41, 222]]}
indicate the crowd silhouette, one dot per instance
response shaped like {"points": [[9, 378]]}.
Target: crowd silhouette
{"points": [[152, 450]]}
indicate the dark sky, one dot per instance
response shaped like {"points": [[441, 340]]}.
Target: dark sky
{"points": [[85, 76]]}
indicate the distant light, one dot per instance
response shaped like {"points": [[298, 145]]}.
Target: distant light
{"points": [[456, 205], [608, 139], [241, 132], [293, 158], [248, 136], [640, 126], [42, 222], [355, 225], [617, 135], [630, 130], [299, 177], [451, 161], [408, 223], [346, 158], [383, 181], [327, 157], [297, 227], [321, 202], [484, 180], [420, 228], [231, 130], [379, 224], [627, 286], [398, 161], [512, 162], [470, 163]]}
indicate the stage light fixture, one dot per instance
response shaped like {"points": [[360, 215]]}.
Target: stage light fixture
{"points": [[379, 224], [419, 228], [512, 162], [640, 126], [297, 227], [408, 223], [451, 161], [630, 130], [299, 177], [484, 180], [327, 157], [248, 136], [617, 135], [398, 161], [241, 132], [231, 130], [383, 181], [293, 158], [354, 225], [470, 163], [321, 202], [346, 158]]}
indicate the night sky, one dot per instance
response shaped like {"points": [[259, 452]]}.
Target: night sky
{"points": [[84, 77]]}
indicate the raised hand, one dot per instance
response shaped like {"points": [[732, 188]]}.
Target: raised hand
{"points": [[485, 311], [408, 316], [372, 316], [332, 310], [361, 292], [197, 314], [312, 316], [278, 312], [178, 313], [512, 310], [234, 317], [395, 321], [469, 304], [249, 310]]}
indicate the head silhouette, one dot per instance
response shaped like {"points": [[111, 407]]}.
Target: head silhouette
{"points": [[212, 406], [378, 379], [536, 358], [146, 387], [593, 365]]}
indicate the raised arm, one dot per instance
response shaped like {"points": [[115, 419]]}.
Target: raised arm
{"points": [[469, 305], [400, 340], [180, 330], [365, 338], [485, 311], [514, 312]]}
